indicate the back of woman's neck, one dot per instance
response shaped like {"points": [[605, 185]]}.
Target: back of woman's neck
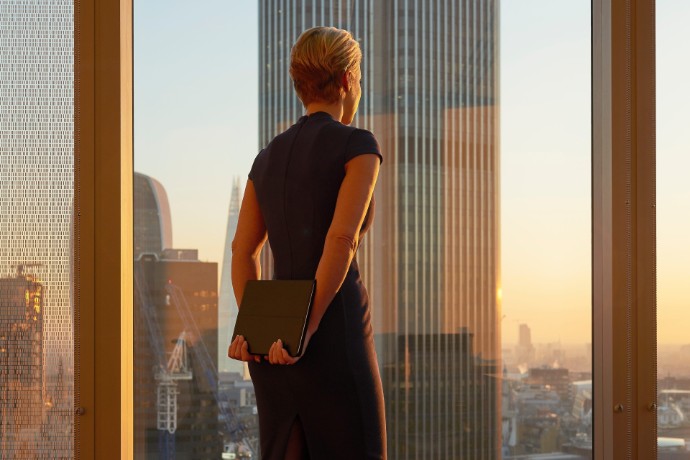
{"points": [[334, 110]]}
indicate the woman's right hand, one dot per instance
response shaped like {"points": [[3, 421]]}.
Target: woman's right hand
{"points": [[239, 349]]}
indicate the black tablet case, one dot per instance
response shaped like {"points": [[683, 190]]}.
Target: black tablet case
{"points": [[272, 310]]}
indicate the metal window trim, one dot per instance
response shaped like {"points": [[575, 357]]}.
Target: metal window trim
{"points": [[623, 229]]}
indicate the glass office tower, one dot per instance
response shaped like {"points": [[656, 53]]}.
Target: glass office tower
{"points": [[431, 261]]}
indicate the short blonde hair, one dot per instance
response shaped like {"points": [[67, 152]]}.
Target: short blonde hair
{"points": [[318, 60]]}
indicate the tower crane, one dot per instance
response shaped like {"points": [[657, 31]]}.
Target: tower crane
{"points": [[166, 374], [203, 357], [177, 368]]}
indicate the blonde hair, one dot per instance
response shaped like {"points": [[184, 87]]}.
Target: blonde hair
{"points": [[318, 60]]}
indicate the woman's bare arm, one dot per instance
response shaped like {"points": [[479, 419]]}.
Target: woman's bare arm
{"points": [[343, 235], [250, 237]]}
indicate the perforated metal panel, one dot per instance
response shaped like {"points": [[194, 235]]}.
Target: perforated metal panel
{"points": [[36, 196]]}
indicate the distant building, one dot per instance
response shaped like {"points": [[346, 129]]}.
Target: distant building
{"points": [[152, 220], [22, 373], [237, 396], [557, 380], [582, 402], [227, 305], [525, 350], [539, 420], [441, 384]]}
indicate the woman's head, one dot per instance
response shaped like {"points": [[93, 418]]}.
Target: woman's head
{"points": [[324, 63]]}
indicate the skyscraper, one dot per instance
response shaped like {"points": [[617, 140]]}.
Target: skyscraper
{"points": [[431, 260], [152, 220], [525, 349], [227, 306]]}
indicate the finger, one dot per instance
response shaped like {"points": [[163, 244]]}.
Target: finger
{"points": [[238, 347], [245, 352], [277, 353], [233, 348], [281, 351], [274, 353], [287, 358], [271, 354]]}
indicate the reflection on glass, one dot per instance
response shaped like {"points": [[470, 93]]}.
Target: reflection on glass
{"points": [[36, 222], [673, 227], [463, 378]]}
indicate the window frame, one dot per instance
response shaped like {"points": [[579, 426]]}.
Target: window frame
{"points": [[624, 229], [103, 222]]}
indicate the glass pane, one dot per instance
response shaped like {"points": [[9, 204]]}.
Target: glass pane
{"points": [[480, 250], [673, 228], [36, 228], [190, 400], [546, 228]]}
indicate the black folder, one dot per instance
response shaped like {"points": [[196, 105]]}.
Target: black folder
{"points": [[272, 310]]}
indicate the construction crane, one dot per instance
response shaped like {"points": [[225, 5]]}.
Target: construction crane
{"points": [[166, 395], [203, 357], [166, 374], [177, 368]]}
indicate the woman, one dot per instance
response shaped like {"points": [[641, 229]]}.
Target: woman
{"points": [[309, 191]]}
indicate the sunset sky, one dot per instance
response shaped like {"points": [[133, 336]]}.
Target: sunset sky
{"points": [[196, 127]]}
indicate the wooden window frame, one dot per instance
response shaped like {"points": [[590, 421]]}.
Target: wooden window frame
{"points": [[103, 230]]}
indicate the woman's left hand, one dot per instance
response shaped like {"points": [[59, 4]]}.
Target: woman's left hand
{"points": [[239, 349]]}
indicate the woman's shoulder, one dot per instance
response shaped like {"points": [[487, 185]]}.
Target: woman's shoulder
{"points": [[361, 141]]}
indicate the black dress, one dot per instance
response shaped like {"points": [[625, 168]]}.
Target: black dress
{"points": [[335, 388]]}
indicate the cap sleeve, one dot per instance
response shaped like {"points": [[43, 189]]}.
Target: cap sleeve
{"points": [[360, 142], [255, 166]]}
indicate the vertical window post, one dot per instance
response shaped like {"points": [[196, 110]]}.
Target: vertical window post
{"points": [[623, 229], [103, 229]]}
